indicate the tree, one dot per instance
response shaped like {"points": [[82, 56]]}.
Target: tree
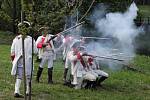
{"points": [[51, 12]]}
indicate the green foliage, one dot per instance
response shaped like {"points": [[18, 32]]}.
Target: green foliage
{"points": [[116, 5], [52, 12], [142, 43], [4, 17], [7, 7], [5, 21], [144, 10], [24, 30]]}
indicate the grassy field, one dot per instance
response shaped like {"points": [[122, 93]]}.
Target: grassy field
{"points": [[121, 85], [6, 37]]}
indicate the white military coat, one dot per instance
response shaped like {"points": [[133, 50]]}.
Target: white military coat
{"points": [[16, 49]]}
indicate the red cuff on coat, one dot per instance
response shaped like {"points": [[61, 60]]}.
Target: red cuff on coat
{"points": [[79, 55], [39, 45], [12, 57], [90, 60]]}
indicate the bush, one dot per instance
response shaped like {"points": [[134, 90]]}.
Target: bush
{"points": [[5, 22]]}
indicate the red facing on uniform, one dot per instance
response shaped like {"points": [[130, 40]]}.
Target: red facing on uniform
{"points": [[40, 44], [12, 57], [90, 60]]}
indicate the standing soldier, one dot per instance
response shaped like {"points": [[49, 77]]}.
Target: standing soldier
{"points": [[46, 52], [79, 68], [17, 57], [67, 42]]}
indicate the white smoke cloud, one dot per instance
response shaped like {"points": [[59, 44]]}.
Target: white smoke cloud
{"points": [[120, 26], [116, 25]]}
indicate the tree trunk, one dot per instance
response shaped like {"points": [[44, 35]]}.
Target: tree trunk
{"points": [[14, 16]]}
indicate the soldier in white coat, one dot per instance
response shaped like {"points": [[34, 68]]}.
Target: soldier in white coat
{"points": [[84, 69], [95, 70], [46, 51], [17, 59], [67, 41], [77, 66]]}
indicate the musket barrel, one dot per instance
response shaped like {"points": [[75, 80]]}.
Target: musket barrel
{"points": [[109, 58], [71, 27], [103, 57], [67, 30], [95, 38]]}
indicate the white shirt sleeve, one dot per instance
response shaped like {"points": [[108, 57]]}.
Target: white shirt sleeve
{"points": [[38, 40], [35, 47], [71, 56], [13, 47]]}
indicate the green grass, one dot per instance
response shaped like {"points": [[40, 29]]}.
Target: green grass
{"points": [[6, 37], [121, 85]]}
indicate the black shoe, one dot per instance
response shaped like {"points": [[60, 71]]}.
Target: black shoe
{"points": [[39, 72], [72, 86], [100, 85], [50, 75], [27, 94], [17, 95], [101, 80], [50, 82], [67, 83], [65, 74], [37, 80], [88, 85]]}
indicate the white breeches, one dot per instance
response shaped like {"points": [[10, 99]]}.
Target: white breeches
{"points": [[64, 56], [80, 76], [20, 76], [20, 73], [67, 63], [100, 73], [75, 79], [47, 57], [54, 56], [20, 70], [89, 76]]}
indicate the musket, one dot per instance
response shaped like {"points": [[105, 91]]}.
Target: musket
{"points": [[120, 55], [105, 57], [95, 38], [66, 30], [127, 66], [23, 50], [30, 82]]}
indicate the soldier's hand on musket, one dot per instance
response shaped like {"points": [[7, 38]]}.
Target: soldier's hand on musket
{"points": [[44, 45], [58, 35]]}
